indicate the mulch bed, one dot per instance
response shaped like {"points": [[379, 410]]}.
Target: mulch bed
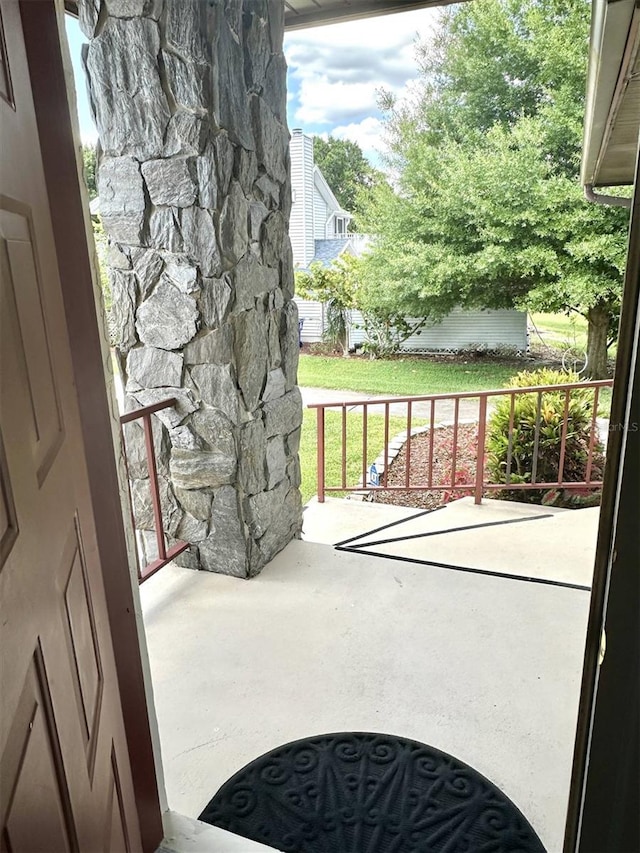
{"points": [[465, 465], [460, 357], [442, 468]]}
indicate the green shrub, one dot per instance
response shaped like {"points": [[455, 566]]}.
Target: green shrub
{"points": [[579, 419]]}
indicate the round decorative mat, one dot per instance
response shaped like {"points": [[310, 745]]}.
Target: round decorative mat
{"points": [[368, 793]]}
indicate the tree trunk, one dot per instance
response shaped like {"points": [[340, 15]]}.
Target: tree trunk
{"points": [[597, 334]]}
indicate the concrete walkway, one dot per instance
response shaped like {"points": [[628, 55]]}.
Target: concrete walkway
{"points": [[420, 412], [509, 538], [484, 667]]}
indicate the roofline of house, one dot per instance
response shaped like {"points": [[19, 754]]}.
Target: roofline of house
{"points": [[318, 16], [328, 193], [611, 27]]}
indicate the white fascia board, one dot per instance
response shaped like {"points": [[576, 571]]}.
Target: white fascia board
{"points": [[327, 193], [610, 25]]}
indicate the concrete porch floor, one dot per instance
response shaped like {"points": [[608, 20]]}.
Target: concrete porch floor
{"points": [[482, 666]]}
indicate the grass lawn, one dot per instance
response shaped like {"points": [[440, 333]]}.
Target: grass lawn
{"points": [[404, 376], [558, 329], [333, 445]]}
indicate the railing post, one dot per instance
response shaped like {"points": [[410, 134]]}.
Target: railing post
{"points": [[344, 447], [164, 556], [153, 483], [123, 439], [454, 454], [563, 439], [512, 395], [407, 466], [592, 437], [432, 424], [385, 473], [320, 451], [482, 429], [364, 446]]}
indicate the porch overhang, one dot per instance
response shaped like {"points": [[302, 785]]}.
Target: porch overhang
{"points": [[300, 14], [612, 118]]}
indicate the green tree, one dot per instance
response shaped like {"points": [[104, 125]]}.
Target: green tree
{"points": [[346, 169], [488, 210], [89, 164], [336, 287], [342, 289]]}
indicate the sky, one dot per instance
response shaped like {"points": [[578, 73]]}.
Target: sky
{"points": [[335, 74]]}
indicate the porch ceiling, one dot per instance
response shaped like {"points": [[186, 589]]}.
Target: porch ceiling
{"points": [[312, 13], [612, 120]]}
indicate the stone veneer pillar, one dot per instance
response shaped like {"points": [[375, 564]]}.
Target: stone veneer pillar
{"points": [[189, 98]]}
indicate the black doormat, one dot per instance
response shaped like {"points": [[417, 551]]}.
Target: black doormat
{"points": [[368, 793]]}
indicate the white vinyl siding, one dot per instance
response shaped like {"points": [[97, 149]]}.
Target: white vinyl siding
{"points": [[357, 334], [302, 185], [459, 330], [311, 315], [312, 203], [463, 329], [320, 216]]}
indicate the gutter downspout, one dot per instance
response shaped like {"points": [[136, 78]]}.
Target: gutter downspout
{"points": [[611, 200]]}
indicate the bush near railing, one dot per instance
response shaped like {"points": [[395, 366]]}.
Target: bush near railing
{"points": [[521, 423]]}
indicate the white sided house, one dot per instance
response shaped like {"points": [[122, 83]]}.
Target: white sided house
{"points": [[319, 232]]}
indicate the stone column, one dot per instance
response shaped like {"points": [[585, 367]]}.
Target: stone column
{"points": [[189, 98]]}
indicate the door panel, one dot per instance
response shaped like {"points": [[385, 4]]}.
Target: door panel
{"points": [[65, 777], [82, 641], [33, 760], [6, 90], [117, 835], [22, 300], [8, 520]]}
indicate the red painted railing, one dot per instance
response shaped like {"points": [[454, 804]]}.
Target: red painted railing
{"points": [[429, 404], [164, 555]]}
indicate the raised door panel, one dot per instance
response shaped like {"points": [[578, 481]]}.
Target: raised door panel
{"points": [[23, 311], [116, 834], [82, 643], [8, 519], [6, 89], [32, 762]]}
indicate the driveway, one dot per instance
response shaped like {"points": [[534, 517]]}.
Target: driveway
{"points": [[444, 409]]}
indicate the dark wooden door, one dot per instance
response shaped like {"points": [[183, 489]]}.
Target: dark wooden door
{"points": [[65, 777]]}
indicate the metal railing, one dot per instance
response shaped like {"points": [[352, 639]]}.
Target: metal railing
{"points": [[165, 555], [477, 484]]}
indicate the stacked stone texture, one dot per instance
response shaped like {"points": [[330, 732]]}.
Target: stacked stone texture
{"points": [[189, 98]]}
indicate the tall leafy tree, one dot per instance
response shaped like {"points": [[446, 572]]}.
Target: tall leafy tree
{"points": [[488, 209], [346, 169], [89, 163]]}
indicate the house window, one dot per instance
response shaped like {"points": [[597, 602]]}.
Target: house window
{"points": [[340, 226]]}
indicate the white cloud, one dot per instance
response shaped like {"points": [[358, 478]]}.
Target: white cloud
{"points": [[367, 133], [320, 99], [396, 29], [337, 71]]}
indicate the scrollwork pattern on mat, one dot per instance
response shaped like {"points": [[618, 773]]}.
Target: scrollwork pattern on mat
{"points": [[369, 793]]}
